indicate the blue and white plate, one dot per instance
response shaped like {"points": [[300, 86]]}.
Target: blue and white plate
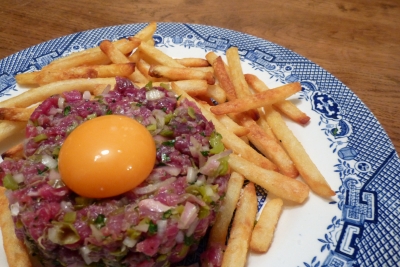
{"points": [[357, 227]]}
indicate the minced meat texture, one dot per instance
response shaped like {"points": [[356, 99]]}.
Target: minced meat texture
{"points": [[156, 224]]}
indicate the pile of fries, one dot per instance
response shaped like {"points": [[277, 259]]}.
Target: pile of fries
{"points": [[242, 108]]}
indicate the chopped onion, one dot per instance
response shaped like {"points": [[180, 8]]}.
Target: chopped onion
{"points": [[174, 171], [14, 209], [142, 227], [192, 228], [153, 187], [129, 242], [191, 175], [154, 94], [60, 102], [86, 95], [66, 206], [179, 237], [85, 251], [153, 205], [188, 215], [49, 161], [19, 177], [54, 175], [161, 227], [96, 233]]}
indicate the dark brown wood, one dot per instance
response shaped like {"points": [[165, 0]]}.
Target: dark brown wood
{"points": [[357, 41]]}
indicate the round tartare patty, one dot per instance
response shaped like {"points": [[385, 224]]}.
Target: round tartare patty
{"points": [[156, 224]]}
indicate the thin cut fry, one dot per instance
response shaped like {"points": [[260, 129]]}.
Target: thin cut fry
{"points": [[266, 128], [230, 140], [258, 100], [219, 230], [274, 182], [39, 94], [147, 32], [269, 147], [16, 152], [310, 173], [216, 92], [10, 128], [176, 74], [236, 72], [16, 114], [243, 222], [153, 55], [263, 232], [117, 57], [193, 62], [192, 87], [223, 78], [15, 249], [95, 71], [286, 107]]}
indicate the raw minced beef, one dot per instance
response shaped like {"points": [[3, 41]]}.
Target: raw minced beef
{"points": [[156, 224]]}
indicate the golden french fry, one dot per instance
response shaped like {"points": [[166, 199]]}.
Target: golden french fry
{"points": [[16, 152], [266, 128], [211, 57], [230, 124], [229, 139], [216, 92], [286, 107], [39, 94], [269, 147], [16, 114], [258, 100], [144, 68], [117, 57], [27, 78], [263, 232], [242, 226], [306, 167], [15, 249], [191, 87], [223, 78], [236, 72], [146, 34], [193, 62], [155, 56], [10, 128], [223, 218], [176, 74], [95, 71], [274, 182]]}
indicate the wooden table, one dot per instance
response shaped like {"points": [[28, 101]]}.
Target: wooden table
{"points": [[357, 41]]}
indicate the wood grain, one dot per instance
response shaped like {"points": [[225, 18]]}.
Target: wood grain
{"points": [[355, 40]]}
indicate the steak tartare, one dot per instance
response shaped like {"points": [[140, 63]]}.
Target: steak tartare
{"points": [[156, 224]]}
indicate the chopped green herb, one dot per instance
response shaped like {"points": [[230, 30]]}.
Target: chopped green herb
{"points": [[66, 110], [100, 221], [152, 228], [42, 171], [9, 182], [40, 137], [216, 143], [109, 112], [189, 240], [164, 109], [179, 96], [165, 86], [169, 143], [205, 153], [149, 86], [70, 217], [151, 127], [166, 133], [191, 112], [167, 214], [139, 104], [165, 158]]}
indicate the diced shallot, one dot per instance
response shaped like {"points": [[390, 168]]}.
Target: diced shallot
{"points": [[49, 161], [153, 205], [154, 94], [153, 187], [188, 216]]}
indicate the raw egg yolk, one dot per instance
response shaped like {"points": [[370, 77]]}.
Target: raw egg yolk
{"points": [[106, 156]]}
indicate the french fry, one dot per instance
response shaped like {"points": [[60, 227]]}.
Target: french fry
{"points": [[263, 232], [176, 74], [27, 78], [16, 114], [223, 78], [266, 128], [117, 57], [39, 94], [230, 124], [146, 34], [15, 249], [191, 87], [16, 152], [216, 92], [236, 72], [230, 140], [286, 107], [10, 128], [193, 62], [223, 218], [258, 100], [144, 68], [211, 57], [269, 147], [306, 167], [155, 56], [242, 226], [94, 71], [274, 182]]}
